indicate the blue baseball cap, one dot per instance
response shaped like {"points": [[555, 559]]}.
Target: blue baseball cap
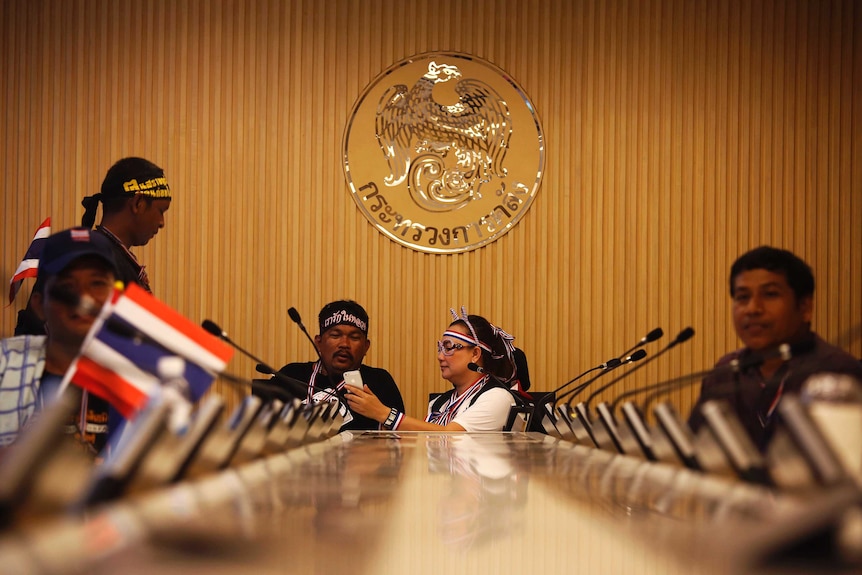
{"points": [[62, 248]]}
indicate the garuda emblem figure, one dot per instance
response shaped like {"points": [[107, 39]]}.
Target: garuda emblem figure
{"points": [[445, 151]]}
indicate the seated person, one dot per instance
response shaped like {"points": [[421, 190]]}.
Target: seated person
{"points": [[773, 299], [342, 344], [477, 402], [74, 264]]}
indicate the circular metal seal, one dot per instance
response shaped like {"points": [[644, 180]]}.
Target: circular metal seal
{"points": [[443, 152]]}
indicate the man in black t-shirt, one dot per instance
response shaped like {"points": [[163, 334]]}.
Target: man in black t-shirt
{"points": [[342, 343]]}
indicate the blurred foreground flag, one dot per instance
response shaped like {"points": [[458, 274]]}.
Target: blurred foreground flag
{"points": [[133, 332], [30, 264]]}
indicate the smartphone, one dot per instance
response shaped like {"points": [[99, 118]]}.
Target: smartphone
{"points": [[353, 378]]}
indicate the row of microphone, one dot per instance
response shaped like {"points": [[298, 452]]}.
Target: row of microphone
{"points": [[800, 454], [45, 472]]}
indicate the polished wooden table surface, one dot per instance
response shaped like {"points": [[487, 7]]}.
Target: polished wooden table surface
{"points": [[432, 503]]}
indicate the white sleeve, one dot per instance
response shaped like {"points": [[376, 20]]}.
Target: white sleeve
{"points": [[489, 413]]}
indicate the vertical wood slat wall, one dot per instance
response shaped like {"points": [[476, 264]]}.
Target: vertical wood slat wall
{"points": [[679, 134]]}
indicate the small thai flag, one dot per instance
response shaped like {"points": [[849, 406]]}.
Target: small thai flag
{"points": [[134, 331], [30, 264]]}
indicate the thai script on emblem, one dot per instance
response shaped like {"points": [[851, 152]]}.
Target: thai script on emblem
{"points": [[443, 153]]}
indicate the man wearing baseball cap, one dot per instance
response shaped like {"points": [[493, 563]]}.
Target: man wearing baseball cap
{"points": [[75, 277], [342, 344]]}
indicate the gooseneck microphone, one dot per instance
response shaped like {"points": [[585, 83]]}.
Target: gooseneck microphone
{"points": [[295, 386], [294, 315], [683, 336], [785, 351], [214, 329], [638, 355], [609, 364], [655, 334]]}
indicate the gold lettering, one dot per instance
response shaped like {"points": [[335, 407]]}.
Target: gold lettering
{"points": [[94, 417]]}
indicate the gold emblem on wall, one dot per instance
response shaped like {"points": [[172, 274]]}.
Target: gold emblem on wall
{"points": [[443, 152]]}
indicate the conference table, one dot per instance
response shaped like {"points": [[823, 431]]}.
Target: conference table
{"points": [[417, 502]]}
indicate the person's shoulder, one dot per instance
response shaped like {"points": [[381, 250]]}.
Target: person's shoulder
{"points": [[375, 372], [297, 368], [729, 357], [833, 358], [496, 393], [22, 343]]}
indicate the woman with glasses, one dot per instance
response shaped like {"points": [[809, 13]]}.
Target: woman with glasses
{"points": [[476, 357]]}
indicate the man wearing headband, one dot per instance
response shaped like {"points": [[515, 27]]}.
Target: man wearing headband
{"points": [[76, 268], [135, 196], [342, 343]]}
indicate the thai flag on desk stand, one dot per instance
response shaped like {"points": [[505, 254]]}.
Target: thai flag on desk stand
{"points": [[30, 264], [119, 359]]}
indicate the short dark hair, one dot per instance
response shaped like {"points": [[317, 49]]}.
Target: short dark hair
{"points": [[799, 276]]}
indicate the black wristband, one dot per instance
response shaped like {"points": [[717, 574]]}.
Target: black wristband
{"points": [[391, 418]]}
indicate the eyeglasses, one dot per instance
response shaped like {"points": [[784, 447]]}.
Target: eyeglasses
{"points": [[448, 348]]}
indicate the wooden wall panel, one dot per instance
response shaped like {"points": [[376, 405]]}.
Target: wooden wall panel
{"points": [[679, 134]]}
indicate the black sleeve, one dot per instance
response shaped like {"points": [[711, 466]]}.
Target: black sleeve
{"points": [[695, 418], [384, 387]]}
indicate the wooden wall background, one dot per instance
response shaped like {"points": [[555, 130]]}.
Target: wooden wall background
{"points": [[680, 133]]}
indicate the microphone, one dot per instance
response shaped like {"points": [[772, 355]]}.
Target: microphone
{"points": [[683, 336], [214, 329], [609, 364], [521, 407], [784, 351], [295, 387], [636, 356], [82, 304], [650, 337], [612, 363], [479, 369], [294, 315], [298, 388]]}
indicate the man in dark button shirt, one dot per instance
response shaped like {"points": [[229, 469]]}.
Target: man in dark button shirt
{"points": [[342, 343], [773, 292]]}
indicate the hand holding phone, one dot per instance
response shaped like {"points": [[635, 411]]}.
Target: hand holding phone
{"points": [[353, 378]]}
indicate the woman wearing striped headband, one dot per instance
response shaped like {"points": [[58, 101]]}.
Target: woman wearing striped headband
{"points": [[476, 358]]}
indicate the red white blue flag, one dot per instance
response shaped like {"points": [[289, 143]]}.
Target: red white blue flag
{"points": [[134, 331], [30, 264]]}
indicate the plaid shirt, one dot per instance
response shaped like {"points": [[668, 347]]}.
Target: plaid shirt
{"points": [[22, 362]]}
